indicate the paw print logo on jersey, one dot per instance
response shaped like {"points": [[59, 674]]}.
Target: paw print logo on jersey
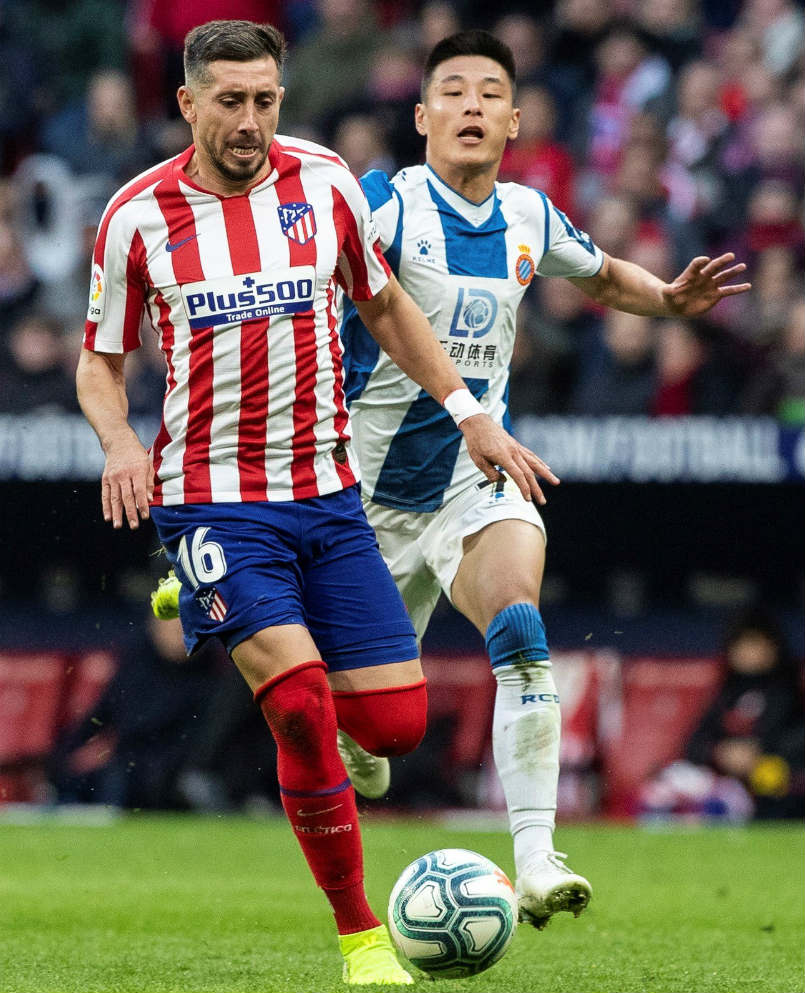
{"points": [[423, 255]]}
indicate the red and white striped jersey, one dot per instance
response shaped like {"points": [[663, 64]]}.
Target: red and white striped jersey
{"points": [[243, 294]]}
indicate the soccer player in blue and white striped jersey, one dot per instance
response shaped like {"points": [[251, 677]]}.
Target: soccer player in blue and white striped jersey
{"points": [[466, 247]]}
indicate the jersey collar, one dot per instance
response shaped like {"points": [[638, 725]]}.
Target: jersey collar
{"points": [[477, 214]]}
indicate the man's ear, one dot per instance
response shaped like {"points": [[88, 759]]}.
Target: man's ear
{"points": [[420, 119], [514, 124], [187, 104]]}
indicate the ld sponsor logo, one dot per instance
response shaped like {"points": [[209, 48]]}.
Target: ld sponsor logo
{"points": [[475, 313]]}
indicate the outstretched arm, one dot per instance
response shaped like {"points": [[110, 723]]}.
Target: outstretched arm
{"points": [[403, 332], [127, 484], [626, 286]]}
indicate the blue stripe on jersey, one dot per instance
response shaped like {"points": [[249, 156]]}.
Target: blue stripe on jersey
{"points": [[422, 455], [547, 244], [507, 417], [472, 251], [361, 351]]}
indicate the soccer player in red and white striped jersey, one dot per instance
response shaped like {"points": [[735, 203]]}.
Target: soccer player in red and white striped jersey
{"points": [[237, 249]]}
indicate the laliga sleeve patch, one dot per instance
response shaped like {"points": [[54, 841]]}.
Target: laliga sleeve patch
{"points": [[97, 294]]}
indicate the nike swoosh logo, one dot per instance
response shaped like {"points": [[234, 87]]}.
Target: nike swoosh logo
{"points": [[171, 246], [313, 813]]}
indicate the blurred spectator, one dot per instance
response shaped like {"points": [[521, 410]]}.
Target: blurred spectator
{"points": [[32, 373], [100, 135], [779, 27], [690, 379], [542, 363], [391, 92], [773, 148], [776, 285], [20, 77], [754, 730], [128, 750], [564, 82], [71, 41], [613, 224], [579, 25], [617, 374], [54, 208], [361, 142], [672, 27], [437, 20], [17, 283], [628, 78], [695, 135], [535, 158], [157, 32], [779, 389], [347, 38]]}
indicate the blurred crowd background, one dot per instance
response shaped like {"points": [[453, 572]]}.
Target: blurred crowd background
{"points": [[664, 128]]}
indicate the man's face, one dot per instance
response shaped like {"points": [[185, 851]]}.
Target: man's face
{"points": [[468, 113], [234, 117]]}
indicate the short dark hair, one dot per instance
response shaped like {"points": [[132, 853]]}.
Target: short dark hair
{"points": [[234, 41], [474, 42]]}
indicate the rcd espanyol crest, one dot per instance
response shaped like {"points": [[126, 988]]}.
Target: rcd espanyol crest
{"points": [[298, 222]]}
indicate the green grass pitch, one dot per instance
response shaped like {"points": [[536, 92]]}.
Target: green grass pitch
{"points": [[226, 904]]}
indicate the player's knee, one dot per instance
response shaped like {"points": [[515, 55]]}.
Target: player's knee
{"points": [[297, 708], [385, 722], [515, 636]]}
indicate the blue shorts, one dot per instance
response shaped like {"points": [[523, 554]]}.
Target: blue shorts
{"points": [[249, 566]]}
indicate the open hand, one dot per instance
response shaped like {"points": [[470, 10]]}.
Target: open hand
{"points": [[127, 484], [702, 284], [490, 446]]}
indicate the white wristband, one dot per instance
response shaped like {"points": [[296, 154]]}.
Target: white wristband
{"points": [[461, 404]]}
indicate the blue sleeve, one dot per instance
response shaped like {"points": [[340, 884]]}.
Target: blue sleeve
{"points": [[377, 188]]}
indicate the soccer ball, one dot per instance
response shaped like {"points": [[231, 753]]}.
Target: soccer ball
{"points": [[452, 912]]}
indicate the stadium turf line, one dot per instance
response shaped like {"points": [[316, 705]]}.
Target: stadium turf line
{"points": [[179, 904]]}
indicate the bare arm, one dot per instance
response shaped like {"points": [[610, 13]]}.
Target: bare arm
{"points": [[127, 484], [628, 287], [403, 332]]}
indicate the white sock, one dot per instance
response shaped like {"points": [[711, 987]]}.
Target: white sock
{"points": [[525, 743]]}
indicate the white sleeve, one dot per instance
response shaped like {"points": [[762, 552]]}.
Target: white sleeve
{"points": [[567, 250], [117, 288], [361, 270]]}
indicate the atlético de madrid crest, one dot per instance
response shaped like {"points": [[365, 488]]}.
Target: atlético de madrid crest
{"points": [[298, 222]]}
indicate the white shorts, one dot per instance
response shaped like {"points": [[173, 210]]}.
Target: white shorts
{"points": [[424, 550]]}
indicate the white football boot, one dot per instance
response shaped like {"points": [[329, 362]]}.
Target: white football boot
{"points": [[369, 774], [546, 886]]}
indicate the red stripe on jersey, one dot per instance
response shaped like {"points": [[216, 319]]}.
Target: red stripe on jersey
{"points": [[244, 252], [341, 418], [350, 245], [163, 437], [187, 268], [303, 447], [135, 293]]}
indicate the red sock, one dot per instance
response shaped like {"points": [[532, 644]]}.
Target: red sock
{"points": [[390, 721], [316, 793]]}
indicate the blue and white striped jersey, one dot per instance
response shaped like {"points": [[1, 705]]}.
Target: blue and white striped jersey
{"points": [[467, 265]]}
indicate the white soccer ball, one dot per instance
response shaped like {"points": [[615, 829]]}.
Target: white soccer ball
{"points": [[452, 912]]}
